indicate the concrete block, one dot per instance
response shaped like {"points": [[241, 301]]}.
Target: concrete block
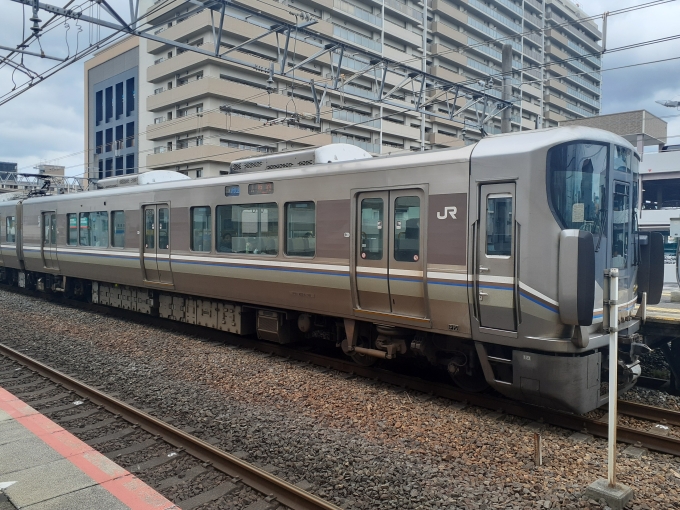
{"points": [[660, 430], [580, 437], [616, 497], [90, 497], [24, 454], [45, 482], [634, 452]]}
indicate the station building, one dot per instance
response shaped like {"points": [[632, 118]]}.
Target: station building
{"points": [[175, 118]]}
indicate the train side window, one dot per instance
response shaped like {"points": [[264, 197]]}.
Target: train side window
{"points": [[248, 228], [201, 229], [499, 225], [94, 229], [118, 230], [407, 229], [11, 231], [301, 229], [371, 228], [149, 229], [163, 228], [72, 233]]}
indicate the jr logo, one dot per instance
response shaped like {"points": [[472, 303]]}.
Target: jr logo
{"points": [[448, 211]]}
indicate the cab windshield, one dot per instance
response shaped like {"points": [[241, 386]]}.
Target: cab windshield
{"points": [[577, 186]]}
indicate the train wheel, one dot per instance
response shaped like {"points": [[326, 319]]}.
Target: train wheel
{"points": [[363, 359], [474, 382]]}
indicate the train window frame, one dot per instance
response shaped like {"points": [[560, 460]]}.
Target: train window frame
{"points": [[507, 251], [105, 236], [286, 232], [405, 255], [12, 219], [209, 229], [219, 234], [112, 229], [68, 229]]}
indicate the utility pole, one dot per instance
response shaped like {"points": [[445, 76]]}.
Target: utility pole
{"points": [[506, 69]]}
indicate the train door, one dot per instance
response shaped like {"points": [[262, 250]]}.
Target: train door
{"points": [[389, 271], [496, 257], [156, 247], [49, 240]]}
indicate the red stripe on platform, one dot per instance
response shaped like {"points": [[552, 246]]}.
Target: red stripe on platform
{"points": [[126, 487]]}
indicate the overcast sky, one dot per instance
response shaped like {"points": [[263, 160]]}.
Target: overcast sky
{"points": [[46, 123]]}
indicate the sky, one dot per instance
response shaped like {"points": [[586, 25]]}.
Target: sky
{"points": [[45, 124]]}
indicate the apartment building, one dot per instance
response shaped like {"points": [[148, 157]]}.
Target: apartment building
{"points": [[198, 113]]}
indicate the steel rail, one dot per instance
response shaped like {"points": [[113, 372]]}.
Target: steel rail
{"points": [[260, 480]]}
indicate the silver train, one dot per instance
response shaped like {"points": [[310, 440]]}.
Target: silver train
{"points": [[486, 261]]}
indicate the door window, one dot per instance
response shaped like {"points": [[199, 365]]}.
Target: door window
{"points": [[407, 229], [72, 234], [149, 231], [499, 226], [11, 229], [620, 225], [163, 228], [46, 229], [371, 228], [53, 229]]}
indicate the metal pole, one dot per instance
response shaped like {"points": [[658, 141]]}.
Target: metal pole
{"points": [[506, 68], [613, 307]]}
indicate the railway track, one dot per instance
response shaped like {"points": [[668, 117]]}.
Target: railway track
{"points": [[596, 427], [273, 490]]}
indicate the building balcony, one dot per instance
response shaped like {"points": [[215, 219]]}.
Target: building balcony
{"points": [[549, 98], [531, 107], [403, 35], [590, 43], [448, 33], [357, 15], [447, 10], [226, 124], [494, 16], [556, 85], [447, 75], [216, 87], [197, 154], [555, 117], [449, 55], [445, 140]]}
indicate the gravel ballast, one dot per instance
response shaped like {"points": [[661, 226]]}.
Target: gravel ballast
{"points": [[356, 442]]}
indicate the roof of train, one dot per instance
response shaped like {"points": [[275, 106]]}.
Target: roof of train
{"points": [[505, 144]]}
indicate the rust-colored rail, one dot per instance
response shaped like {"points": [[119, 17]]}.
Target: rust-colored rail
{"points": [[260, 480]]}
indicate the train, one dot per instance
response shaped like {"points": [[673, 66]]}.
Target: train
{"points": [[486, 261]]}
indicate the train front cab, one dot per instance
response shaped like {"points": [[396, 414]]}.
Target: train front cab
{"points": [[552, 213]]}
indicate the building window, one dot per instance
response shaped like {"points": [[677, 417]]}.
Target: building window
{"points": [[130, 134], [109, 167], [119, 137], [130, 164], [72, 234], [101, 169], [201, 229], [94, 229], [119, 99], [99, 106], [99, 142], [108, 104], [118, 230], [199, 173], [301, 229], [109, 140], [248, 228], [130, 96], [11, 230], [119, 165]]}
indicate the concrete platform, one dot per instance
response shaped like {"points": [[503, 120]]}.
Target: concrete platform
{"points": [[44, 467]]}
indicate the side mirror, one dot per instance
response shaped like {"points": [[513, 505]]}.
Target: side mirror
{"points": [[576, 277], [651, 268]]}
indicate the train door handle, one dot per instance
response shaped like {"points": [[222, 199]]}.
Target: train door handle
{"points": [[483, 269], [481, 295]]}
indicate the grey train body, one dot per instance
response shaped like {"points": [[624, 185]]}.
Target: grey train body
{"points": [[450, 256]]}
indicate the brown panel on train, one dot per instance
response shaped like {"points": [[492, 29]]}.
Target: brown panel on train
{"points": [[180, 229], [332, 221], [132, 229], [447, 227]]}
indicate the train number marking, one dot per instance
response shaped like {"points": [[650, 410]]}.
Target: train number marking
{"points": [[448, 211], [526, 357]]}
